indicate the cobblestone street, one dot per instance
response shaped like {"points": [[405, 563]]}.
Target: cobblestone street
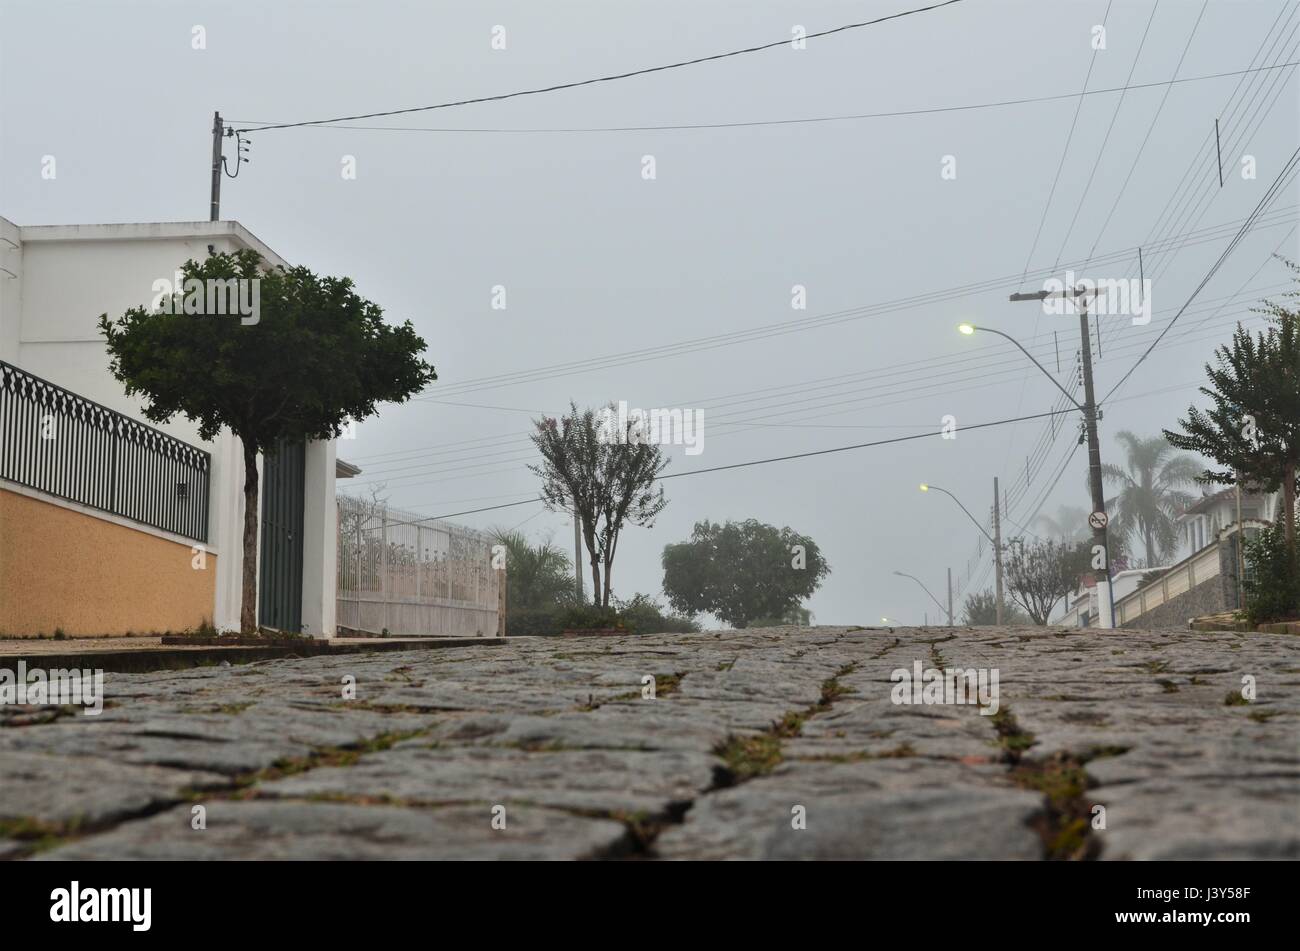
{"points": [[782, 743]]}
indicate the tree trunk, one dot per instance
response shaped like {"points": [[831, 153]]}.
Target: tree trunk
{"points": [[1151, 555], [604, 598], [248, 589], [590, 540], [1288, 506]]}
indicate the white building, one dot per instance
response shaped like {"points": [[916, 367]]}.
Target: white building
{"points": [[55, 281]]}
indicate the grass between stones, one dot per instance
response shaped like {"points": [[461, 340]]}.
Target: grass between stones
{"points": [[745, 757], [1062, 780], [36, 835]]}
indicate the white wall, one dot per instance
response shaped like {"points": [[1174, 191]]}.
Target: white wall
{"points": [[58, 279]]}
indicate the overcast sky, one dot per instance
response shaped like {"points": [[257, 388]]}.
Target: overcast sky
{"points": [[597, 261]]}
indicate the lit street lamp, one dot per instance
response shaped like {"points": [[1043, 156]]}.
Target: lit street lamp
{"points": [[995, 539], [1089, 410]]}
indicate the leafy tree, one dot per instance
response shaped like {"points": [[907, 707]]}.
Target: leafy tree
{"points": [[317, 356], [981, 609], [538, 575], [1150, 497], [609, 483], [742, 571], [1253, 428], [1040, 574], [1272, 586]]}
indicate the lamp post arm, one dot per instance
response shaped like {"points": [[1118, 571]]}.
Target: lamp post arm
{"points": [[903, 574], [1073, 401], [964, 509]]}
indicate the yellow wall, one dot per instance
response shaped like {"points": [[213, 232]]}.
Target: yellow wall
{"points": [[90, 577]]}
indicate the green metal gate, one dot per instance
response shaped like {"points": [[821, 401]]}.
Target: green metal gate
{"points": [[280, 576]]}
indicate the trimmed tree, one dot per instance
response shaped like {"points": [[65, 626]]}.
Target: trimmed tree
{"points": [[742, 571], [1253, 428], [607, 479], [314, 356]]}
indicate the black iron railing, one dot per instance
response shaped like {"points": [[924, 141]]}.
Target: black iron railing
{"points": [[68, 446]]}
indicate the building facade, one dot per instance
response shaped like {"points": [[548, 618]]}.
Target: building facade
{"points": [[111, 524]]}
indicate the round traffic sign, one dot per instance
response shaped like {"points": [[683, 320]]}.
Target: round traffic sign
{"points": [[1098, 519]]}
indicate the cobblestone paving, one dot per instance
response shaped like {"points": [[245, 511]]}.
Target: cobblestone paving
{"points": [[750, 735]]}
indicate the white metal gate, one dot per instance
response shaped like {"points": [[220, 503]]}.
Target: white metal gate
{"points": [[411, 576]]}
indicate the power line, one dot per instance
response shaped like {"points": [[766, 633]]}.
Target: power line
{"points": [[700, 344], [1065, 152], [1106, 138], [438, 479], [761, 462], [1228, 110], [1150, 128], [610, 78], [980, 369], [1287, 170], [803, 120]]}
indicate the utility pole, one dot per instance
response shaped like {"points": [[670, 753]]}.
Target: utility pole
{"points": [[997, 548], [1097, 520], [577, 553], [950, 624], [218, 130]]}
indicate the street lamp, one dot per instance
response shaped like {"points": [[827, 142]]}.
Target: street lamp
{"points": [[995, 539], [1089, 410], [969, 329], [927, 487], [948, 610]]}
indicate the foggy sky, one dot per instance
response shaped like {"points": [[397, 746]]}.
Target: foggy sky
{"points": [[597, 260]]}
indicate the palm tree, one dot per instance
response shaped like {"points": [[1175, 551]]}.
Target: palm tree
{"points": [[538, 575], [1150, 495], [1069, 525]]}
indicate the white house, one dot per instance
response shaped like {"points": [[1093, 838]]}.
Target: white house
{"points": [[90, 545]]}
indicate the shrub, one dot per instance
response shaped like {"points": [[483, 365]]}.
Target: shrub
{"points": [[1272, 579], [533, 621], [640, 615], [644, 615]]}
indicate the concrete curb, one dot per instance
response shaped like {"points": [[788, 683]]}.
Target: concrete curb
{"points": [[140, 661]]}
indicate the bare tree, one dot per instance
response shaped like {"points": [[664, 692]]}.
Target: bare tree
{"points": [[1039, 575], [608, 482]]}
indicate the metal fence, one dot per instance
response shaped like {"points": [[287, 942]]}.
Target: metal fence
{"points": [[413, 577], [67, 446]]}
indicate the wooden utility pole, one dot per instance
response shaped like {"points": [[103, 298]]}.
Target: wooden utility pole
{"points": [[1098, 519], [997, 549], [218, 130], [950, 624]]}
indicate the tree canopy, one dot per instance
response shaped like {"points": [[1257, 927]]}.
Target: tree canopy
{"points": [[1252, 428], [316, 356], [609, 484], [742, 571], [1151, 494]]}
